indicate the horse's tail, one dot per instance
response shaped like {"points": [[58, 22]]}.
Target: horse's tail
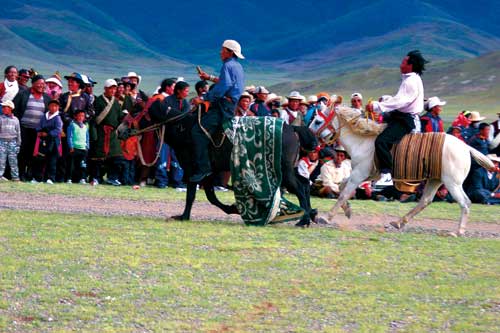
{"points": [[480, 158]]}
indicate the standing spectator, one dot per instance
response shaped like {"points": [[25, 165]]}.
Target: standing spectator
{"points": [[431, 121], [201, 88], [168, 169], [9, 87], [139, 97], [243, 107], [74, 99], [10, 140], [30, 107], [291, 114], [259, 107], [23, 78], [104, 144], [54, 86], [78, 145], [89, 87], [357, 101], [49, 133], [274, 103]]}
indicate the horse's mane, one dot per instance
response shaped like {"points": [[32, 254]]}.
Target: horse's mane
{"points": [[359, 125]]}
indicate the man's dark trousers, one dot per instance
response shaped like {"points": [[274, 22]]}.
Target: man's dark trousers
{"points": [[398, 125], [211, 121]]}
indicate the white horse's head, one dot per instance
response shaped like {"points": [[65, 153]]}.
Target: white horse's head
{"points": [[322, 124]]}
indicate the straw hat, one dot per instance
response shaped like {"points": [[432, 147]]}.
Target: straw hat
{"points": [[295, 95], [273, 97], [246, 95], [476, 116], [9, 104], [312, 99]]}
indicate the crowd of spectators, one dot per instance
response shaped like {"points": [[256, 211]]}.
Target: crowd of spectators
{"points": [[51, 133]]}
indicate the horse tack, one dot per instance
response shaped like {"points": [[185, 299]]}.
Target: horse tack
{"points": [[417, 157]]}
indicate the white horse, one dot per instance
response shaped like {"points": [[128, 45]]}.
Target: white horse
{"points": [[358, 138]]}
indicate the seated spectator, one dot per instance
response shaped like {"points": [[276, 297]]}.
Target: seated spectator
{"points": [[431, 121], [49, 144], [10, 140], [480, 140], [78, 145], [456, 131], [333, 173], [484, 187]]}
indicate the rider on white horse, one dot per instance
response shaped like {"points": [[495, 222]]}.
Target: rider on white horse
{"points": [[404, 108]]}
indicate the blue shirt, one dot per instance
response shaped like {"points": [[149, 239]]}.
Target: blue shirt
{"points": [[231, 82]]}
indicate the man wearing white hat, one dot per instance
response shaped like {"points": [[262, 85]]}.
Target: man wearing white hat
{"points": [[475, 119], [291, 114], [259, 107], [104, 144], [357, 101], [222, 100], [431, 121]]}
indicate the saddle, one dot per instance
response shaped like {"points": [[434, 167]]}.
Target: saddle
{"points": [[417, 157]]}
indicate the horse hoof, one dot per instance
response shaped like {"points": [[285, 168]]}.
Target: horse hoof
{"points": [[177, 218], [451, 234], [303, 224], [322, 220], [397, 225]]}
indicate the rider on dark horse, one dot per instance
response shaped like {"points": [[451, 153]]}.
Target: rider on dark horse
{"points": [[222, 99]]}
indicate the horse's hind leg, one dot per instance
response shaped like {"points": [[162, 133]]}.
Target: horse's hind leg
{"points": [[457, 192], [208, 185], [430, 190]]}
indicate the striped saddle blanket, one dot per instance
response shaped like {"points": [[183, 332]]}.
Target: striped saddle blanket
{"points": [[417, 157]]}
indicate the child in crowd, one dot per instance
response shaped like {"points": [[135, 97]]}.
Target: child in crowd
{"points": [[10, 140], [78, 145], [48, 147]]}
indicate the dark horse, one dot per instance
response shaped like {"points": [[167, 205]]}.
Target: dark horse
{"points": [[178, 136]]}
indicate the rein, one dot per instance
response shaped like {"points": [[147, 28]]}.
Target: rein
{"points": [[207, 133]]}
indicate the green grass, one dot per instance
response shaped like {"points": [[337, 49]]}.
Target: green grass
{"points": [[88, 273], [438, 210]]}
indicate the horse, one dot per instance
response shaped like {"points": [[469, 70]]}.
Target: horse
{"points": [[177, 134], [329, 125]]}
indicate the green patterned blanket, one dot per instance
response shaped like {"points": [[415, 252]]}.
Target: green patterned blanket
{"points": [[256, 170]]}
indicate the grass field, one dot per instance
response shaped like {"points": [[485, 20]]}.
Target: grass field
{"points": [[62, 272]]}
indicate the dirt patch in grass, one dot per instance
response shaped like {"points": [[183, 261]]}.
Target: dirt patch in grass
{"points": [[204, 211]]}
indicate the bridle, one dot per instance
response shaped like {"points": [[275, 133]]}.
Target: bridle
{"points": [[328, 125]]}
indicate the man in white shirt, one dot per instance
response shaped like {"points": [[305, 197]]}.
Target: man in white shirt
{"points": [[404, 108]]}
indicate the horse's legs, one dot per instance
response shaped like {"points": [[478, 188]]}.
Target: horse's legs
{"points": [[430, 190], [208, 185], [457, 192], [190, 196]]}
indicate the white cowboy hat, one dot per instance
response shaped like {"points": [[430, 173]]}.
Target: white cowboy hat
{"points": [[476, 116], [134, 74], [312, 99], [493, 157], [55, 80], [434, 101], [340, 148], [273, 97], [261, 90], [295, 95], [8, 104], [247, 95], [233, 46]]}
